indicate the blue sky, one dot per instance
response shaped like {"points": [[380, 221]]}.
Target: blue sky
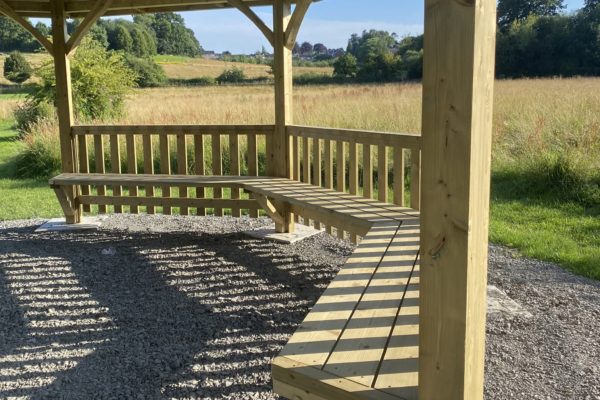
{"points": [[329, 21]]}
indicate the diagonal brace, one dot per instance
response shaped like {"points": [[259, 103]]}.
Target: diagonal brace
{"points": [[291, 33], [68, 203], [11, 13], [270, 209], [244, 8], [87, 23]]}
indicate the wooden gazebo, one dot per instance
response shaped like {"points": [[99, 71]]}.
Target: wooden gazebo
{"points": [[390, 326]]}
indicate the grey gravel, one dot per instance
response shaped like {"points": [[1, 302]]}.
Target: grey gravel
{"points": [[154, 307]]}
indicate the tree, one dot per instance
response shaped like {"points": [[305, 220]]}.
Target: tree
{"points": [[296, 50], [14, 37], [119, 38], [371, 45], [100, 81], [306, 49], [172, 36], [510, 11], [345, 66], [16, 68], [320, 48]]}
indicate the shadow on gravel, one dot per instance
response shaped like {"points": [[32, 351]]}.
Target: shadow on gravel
{"points": [[140, 315]]}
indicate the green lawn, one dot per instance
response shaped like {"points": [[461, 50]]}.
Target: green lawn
{"points": [[21, 198], [542, 228]]}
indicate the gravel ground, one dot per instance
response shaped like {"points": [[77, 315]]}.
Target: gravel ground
{"points": [[188, 308]]}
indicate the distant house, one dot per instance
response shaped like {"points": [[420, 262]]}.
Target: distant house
{"points": [[211, 55]]}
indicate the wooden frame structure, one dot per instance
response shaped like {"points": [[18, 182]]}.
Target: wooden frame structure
{"points": [[455, 148]]}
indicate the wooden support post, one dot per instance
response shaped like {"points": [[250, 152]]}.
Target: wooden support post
{"points": [[64, 97], [457, 134], [279, 157]]}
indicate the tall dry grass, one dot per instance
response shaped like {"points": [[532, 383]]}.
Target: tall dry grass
{"points": [[546, 127]]}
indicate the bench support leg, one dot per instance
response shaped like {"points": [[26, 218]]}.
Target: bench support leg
{"points": [[287, 224], [66, 198], [278, 213]]}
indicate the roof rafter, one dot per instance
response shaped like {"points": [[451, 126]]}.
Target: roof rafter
{"points": [[9, 12]]}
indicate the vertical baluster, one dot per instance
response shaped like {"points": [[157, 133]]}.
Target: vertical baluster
{"points": [[317, 162], [199, 169], [340, 158], [234, 150], [399, 175], [182, 168], [353, 186], [148, 166], [367, 171], [115, 164], [217, 165], [415, 180], [253, 164], [100, 167], [165, 166], [132, 168], [382, 173], [296, 159], [84, 166], [328, 164], [306, 160]]}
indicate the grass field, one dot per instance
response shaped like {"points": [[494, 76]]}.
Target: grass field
{"points": [[535, 122]]}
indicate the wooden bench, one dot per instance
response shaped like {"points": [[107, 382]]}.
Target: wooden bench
{"points": [[360, 340]]}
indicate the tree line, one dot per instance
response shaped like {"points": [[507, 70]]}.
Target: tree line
{"points": [[535, 39], [146, 35]]}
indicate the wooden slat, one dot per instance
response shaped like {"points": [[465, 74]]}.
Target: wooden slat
{"points": [[148, 150], [328, 168], [165, 167], [382, 173], [353, 154], [253, 164], [115, 165], [296, 157], [361, 347], [84, 166], [367, 171], [317, 171], [167, 202], [182, 168], [415, 180], [132, 168], [217, 167], [160, 180], [340, 159], [161, 130], [306, 160], [405, 140], [199, 169], [234, 150], [399, 176]]}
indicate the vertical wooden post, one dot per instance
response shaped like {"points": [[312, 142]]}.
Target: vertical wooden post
{"points": [[279, 157], [64, 97], [457, 131]]}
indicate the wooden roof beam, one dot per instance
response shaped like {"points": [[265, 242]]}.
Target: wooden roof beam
{"points": [[10, 12], [247, 11], [87, 23], [291, 33]]}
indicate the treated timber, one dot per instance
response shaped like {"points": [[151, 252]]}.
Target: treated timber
{"points": [[279, 145], [81, 8], [167, 130], [291, 33], [404, 140], [457, 125], [64, 96]]}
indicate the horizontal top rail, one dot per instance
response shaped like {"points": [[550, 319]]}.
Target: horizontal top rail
{"points": [[83, 130], [405, 140]]}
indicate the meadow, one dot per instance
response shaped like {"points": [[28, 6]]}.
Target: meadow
{"points": [[546, 155]]}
